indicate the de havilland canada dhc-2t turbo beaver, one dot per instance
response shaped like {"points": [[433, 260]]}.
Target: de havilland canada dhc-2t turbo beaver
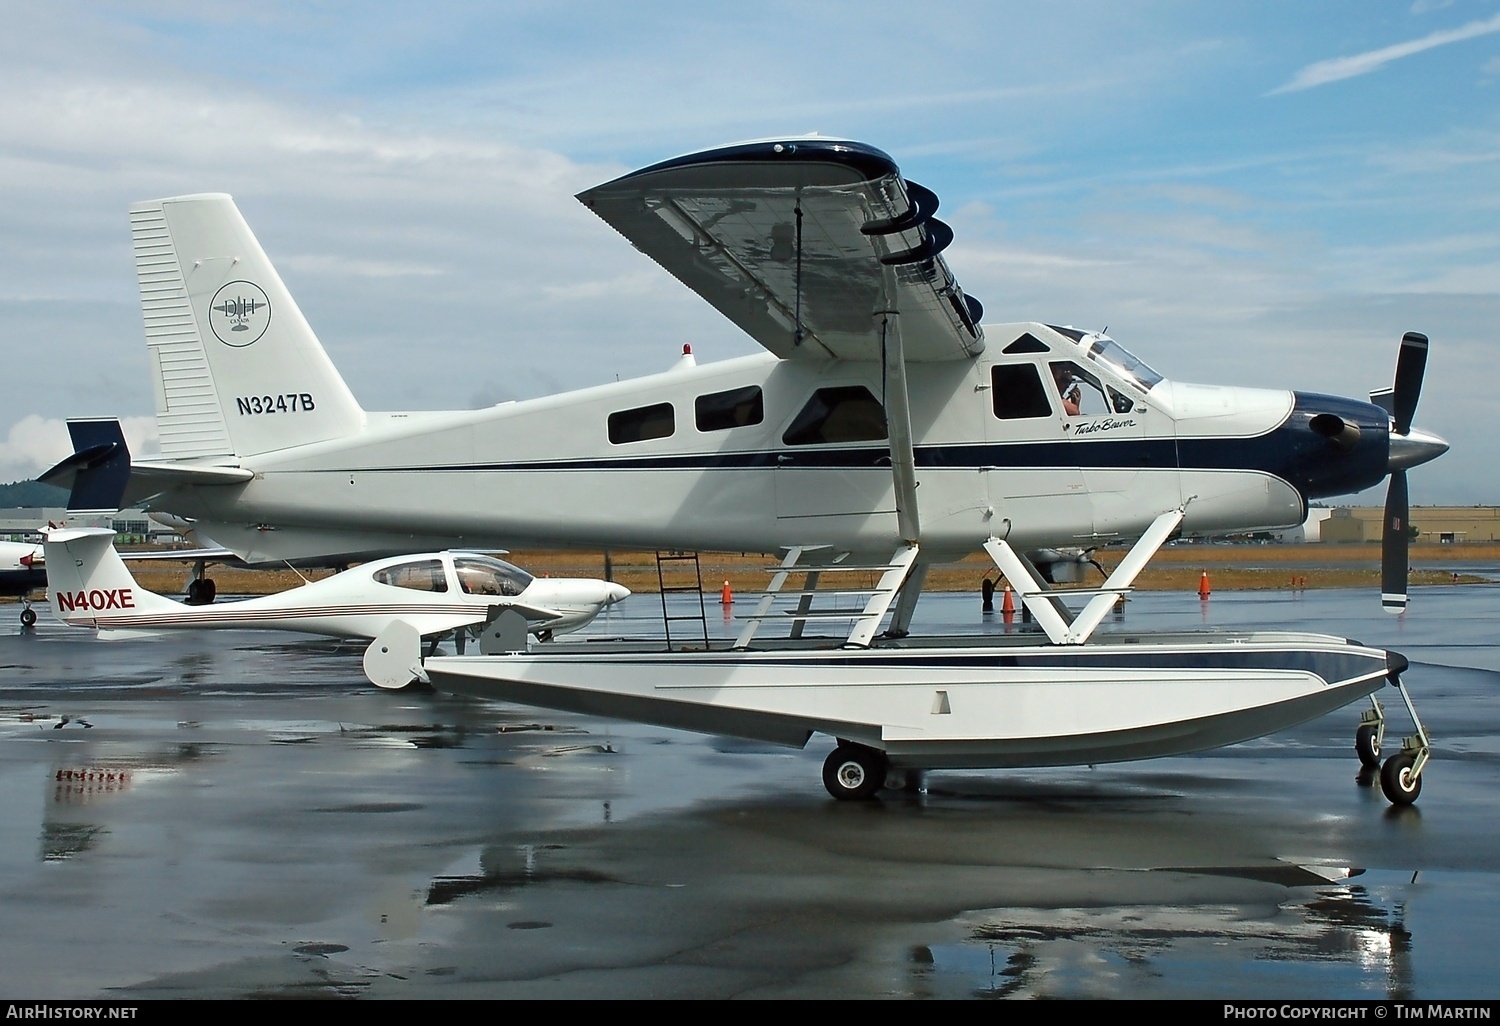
{"points": [[883, 428]]}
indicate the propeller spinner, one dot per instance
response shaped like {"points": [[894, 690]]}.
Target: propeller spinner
{"points": [[1409, 447]]}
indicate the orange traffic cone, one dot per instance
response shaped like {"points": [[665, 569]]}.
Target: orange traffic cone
{"points": [[1008, 603], [726, 597], [1203, 589]]}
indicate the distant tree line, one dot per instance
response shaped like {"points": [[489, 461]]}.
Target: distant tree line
{"points": [[31, 494]]}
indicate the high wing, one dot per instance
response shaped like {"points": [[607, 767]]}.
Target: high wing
{"points": [[797, 241]]}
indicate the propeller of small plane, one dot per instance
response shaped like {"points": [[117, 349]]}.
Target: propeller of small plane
{"points": [[1409, 447]]}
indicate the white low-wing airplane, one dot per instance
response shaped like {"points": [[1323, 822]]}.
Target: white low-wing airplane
{"points": [[428, 595], [22, 571], [878, 387]]}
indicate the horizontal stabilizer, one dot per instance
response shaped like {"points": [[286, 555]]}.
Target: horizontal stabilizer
{"points": [[164, 475]]}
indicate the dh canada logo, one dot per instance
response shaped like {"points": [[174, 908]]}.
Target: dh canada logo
{"points": [[239, 313]]}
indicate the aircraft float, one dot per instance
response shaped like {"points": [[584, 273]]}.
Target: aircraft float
{"points": [[883, 428], [427, 596]]}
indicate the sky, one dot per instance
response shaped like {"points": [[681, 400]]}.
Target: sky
{"points": [[1252, 193]]}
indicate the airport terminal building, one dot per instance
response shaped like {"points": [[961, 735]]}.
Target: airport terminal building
{"points": [[1445, 525], [134, 526]]}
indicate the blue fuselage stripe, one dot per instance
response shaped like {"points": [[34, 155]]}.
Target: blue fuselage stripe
{"points": [[1292, 452]]}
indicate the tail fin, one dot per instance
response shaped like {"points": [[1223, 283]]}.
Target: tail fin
{"points": [[237, 369], [98, 470], [87, 581]]}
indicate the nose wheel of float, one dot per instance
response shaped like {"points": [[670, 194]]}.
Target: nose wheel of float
{"points": [[1401, 774]]}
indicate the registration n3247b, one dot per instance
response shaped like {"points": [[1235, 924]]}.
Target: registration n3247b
{"points": [[286, 402]]}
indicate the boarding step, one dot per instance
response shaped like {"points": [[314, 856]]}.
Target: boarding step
{"points": [[877, 599], [809, 614]]}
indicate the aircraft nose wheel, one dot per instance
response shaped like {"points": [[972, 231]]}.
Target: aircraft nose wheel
{"points": [[1401, 776], [1399, 780], [854, 772]]}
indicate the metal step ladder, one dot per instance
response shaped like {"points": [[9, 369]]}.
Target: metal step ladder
{"points": [[675, 564], [867, 619]]}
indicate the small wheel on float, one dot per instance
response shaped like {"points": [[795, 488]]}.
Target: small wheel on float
{"points": [[854, 772], [28, 617], [1401, 787], [1367, 745]]}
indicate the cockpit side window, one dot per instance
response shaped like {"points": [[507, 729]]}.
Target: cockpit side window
{"points": [[845, 414], [1081, 390], [656, 421], [738, 407], [1017, 391], [420, 575]]}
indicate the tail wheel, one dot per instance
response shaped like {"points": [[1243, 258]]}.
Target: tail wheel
{"points": [[28, 618], [854, 772], [1367, 744], [1400, 785]]}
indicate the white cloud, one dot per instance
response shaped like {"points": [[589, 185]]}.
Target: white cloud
{"points": [[1339, 68]]}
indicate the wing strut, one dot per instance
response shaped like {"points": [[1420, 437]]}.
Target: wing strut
{"points": [[898, 416]]}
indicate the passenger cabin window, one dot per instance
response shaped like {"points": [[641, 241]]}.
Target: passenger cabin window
{"points": [[734, 408], [1017, 392], [485, 575], [421, 575], [846, 414], [640, 424]]}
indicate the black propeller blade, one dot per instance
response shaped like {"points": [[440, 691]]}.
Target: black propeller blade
{"points": [[1395, 543], [1411, 362]]}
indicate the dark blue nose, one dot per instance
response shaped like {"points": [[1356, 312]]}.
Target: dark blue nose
{"points": [[1334, 445]]}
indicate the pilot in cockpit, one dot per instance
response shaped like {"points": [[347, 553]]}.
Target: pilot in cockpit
{"points": [[1067, 387]]}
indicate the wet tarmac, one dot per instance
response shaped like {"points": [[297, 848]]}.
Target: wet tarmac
{"points": [[240, 815]]}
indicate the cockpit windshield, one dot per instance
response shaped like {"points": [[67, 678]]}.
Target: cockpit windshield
{"points": [[485, 575], [1113, 355]]}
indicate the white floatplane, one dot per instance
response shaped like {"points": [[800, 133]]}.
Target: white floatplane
{"points": [[424, 596], [877, 379]]}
